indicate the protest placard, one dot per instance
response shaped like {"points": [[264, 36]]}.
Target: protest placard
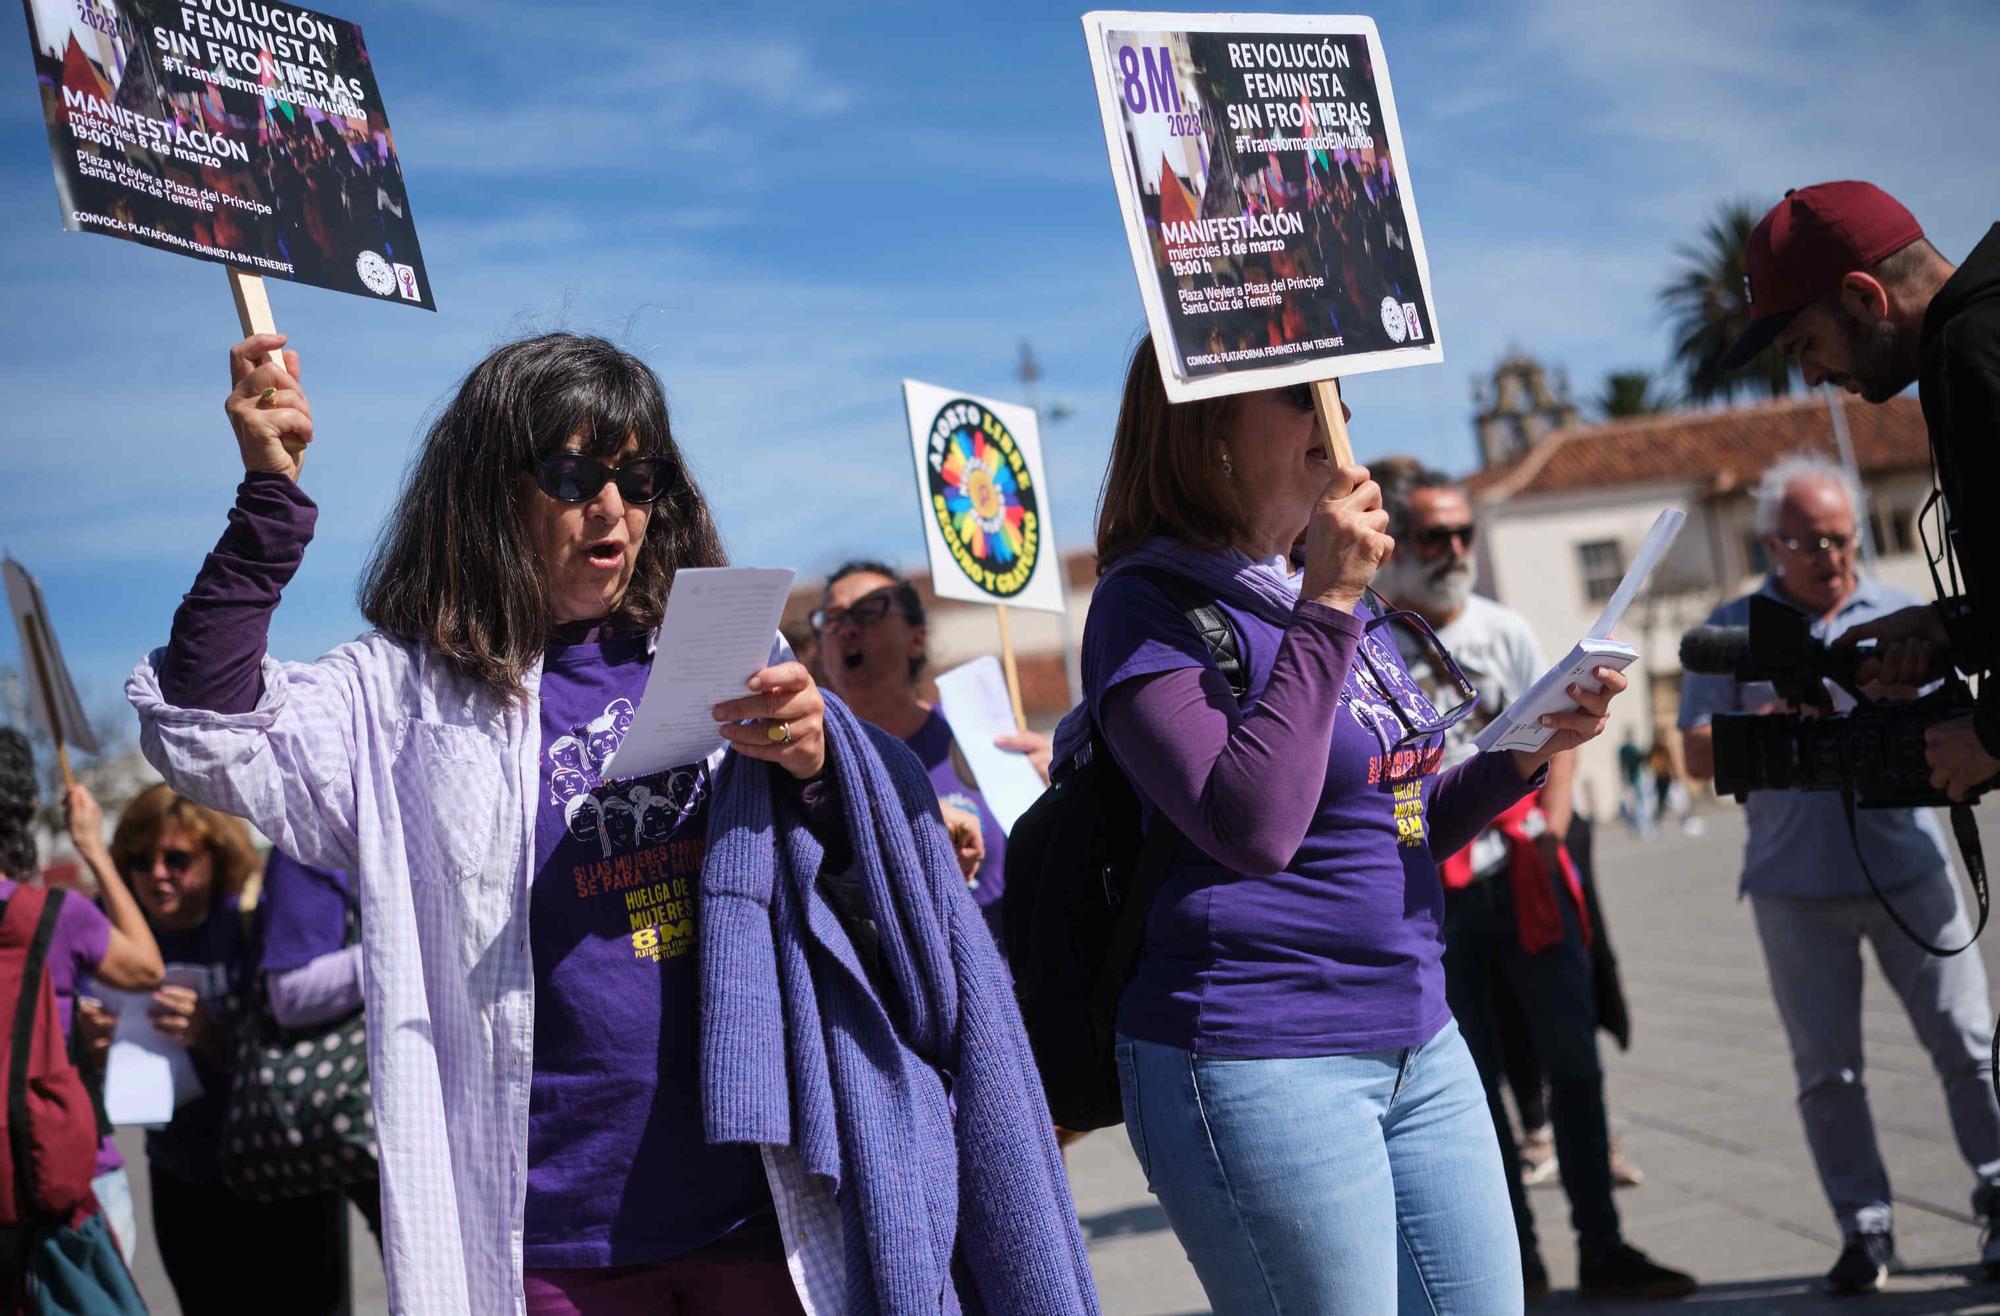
{"points": [[248, 132], [985, 507], [52, 700], [1259, 166], [985, 503]]}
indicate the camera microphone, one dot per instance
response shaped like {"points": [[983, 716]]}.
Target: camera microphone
{"points": [[1716, 650]]}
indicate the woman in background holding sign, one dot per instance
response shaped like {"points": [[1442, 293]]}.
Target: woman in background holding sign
{"points": [[625, 1052], [1293, 1082], [870, 625]]}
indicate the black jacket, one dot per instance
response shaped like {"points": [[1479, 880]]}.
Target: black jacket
{"points": [[1960, 390]]}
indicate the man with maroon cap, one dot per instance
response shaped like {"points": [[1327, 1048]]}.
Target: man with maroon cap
{"points": [[1842, 279]]}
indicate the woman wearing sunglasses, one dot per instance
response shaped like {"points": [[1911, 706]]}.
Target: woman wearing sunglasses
{"points": [[679, 1042], [1294, 1086], [870, 626], [188, 866]]}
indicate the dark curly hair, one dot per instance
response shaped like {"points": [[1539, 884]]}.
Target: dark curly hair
{"points": [[454, 568], [18, 798]]}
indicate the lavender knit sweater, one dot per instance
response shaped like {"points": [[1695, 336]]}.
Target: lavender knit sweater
{"points": [[924, 1108]]}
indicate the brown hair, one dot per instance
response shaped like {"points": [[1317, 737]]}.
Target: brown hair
{"points": [[227, 840], [454, 568], [1165, 476]]}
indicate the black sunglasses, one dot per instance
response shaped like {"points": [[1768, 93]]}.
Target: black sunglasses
{"points": [[1434, 538], [573, 477], [176, 862], [867, 610], [1301, 395]]}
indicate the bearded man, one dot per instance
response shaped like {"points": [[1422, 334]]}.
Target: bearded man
{"points": [[1520, 930]]}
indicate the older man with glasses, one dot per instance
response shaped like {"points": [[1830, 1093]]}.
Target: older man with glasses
{"points": [[1518, 926], [1813, 906]]}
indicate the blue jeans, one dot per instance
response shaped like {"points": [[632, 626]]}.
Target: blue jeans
{"points": [[1360, 1183]]}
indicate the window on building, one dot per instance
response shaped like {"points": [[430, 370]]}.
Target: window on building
{"points": [[1756, 558], [1603, 564], [1893, 530]]}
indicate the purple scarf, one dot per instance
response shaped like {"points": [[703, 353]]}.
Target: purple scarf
{"points": [[1228, 575]]}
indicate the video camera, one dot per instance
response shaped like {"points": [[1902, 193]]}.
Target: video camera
{"points": [[1876, 750]]}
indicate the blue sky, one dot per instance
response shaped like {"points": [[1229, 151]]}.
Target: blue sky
{"points": [[787, 209]]}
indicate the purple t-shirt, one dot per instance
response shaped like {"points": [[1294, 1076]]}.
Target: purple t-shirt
{"points": [[931, 743], [303, 910], [619, 1171], [82, 937], [1339, 950]]}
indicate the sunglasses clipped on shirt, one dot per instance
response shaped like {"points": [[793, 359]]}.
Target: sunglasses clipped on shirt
{"points": [[1415, 725], [574, 477]]}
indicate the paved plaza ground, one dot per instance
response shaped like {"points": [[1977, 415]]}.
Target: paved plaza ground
{"points": [[1703, 1104]]}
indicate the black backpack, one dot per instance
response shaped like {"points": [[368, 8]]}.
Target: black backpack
{"points": [[1081, 878]]}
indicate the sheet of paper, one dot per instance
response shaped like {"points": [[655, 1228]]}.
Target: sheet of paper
{"points": [[974, 700], [719, 628], [146, 1076], [1651, 549], [1519, 726]]}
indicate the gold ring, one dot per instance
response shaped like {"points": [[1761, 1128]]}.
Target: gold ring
{"points": [[780, 732], [264, 398]]}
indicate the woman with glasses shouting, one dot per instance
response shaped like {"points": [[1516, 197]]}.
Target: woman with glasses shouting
{"points": [[870, 625], [1295, 1089], [627, 1051]]}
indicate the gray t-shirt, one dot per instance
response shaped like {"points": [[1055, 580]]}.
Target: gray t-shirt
{"points": [[1496, 649]]}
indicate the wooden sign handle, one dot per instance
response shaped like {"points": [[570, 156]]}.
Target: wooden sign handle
{"points": [[1333, 419], [40, 658], [253, 307], [253, 313], [1007, 666]]}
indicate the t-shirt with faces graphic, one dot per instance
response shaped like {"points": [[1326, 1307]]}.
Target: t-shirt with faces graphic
{"points": [[619, 1171]]}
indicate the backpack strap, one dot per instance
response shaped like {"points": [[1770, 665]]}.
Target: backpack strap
{"points": [[1163, 837], [1209, 621], [25, 1007]]}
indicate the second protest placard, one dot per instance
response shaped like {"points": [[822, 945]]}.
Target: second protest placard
{"points": [[1266, 197], [985, 504], [251, 134]]}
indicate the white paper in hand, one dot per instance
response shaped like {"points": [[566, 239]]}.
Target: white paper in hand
{"points": [[146, 1075], [1519, 726], [719, 628], [975, 703]]}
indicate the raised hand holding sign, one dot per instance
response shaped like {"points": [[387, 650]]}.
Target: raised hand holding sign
{"points": [[267, 408]]}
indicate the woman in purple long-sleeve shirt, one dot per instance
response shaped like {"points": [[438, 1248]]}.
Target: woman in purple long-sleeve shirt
{"points": [[675, 1040], [1294, 1085]]}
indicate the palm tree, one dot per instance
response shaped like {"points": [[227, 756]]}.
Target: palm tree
{"points": [[1705, 307], [1629, 393]]}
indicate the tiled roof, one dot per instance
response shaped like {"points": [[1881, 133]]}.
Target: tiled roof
{"points": [[1719, 450]]}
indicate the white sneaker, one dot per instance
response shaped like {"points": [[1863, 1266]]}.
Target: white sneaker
{"points": [[1538, 1155]]}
